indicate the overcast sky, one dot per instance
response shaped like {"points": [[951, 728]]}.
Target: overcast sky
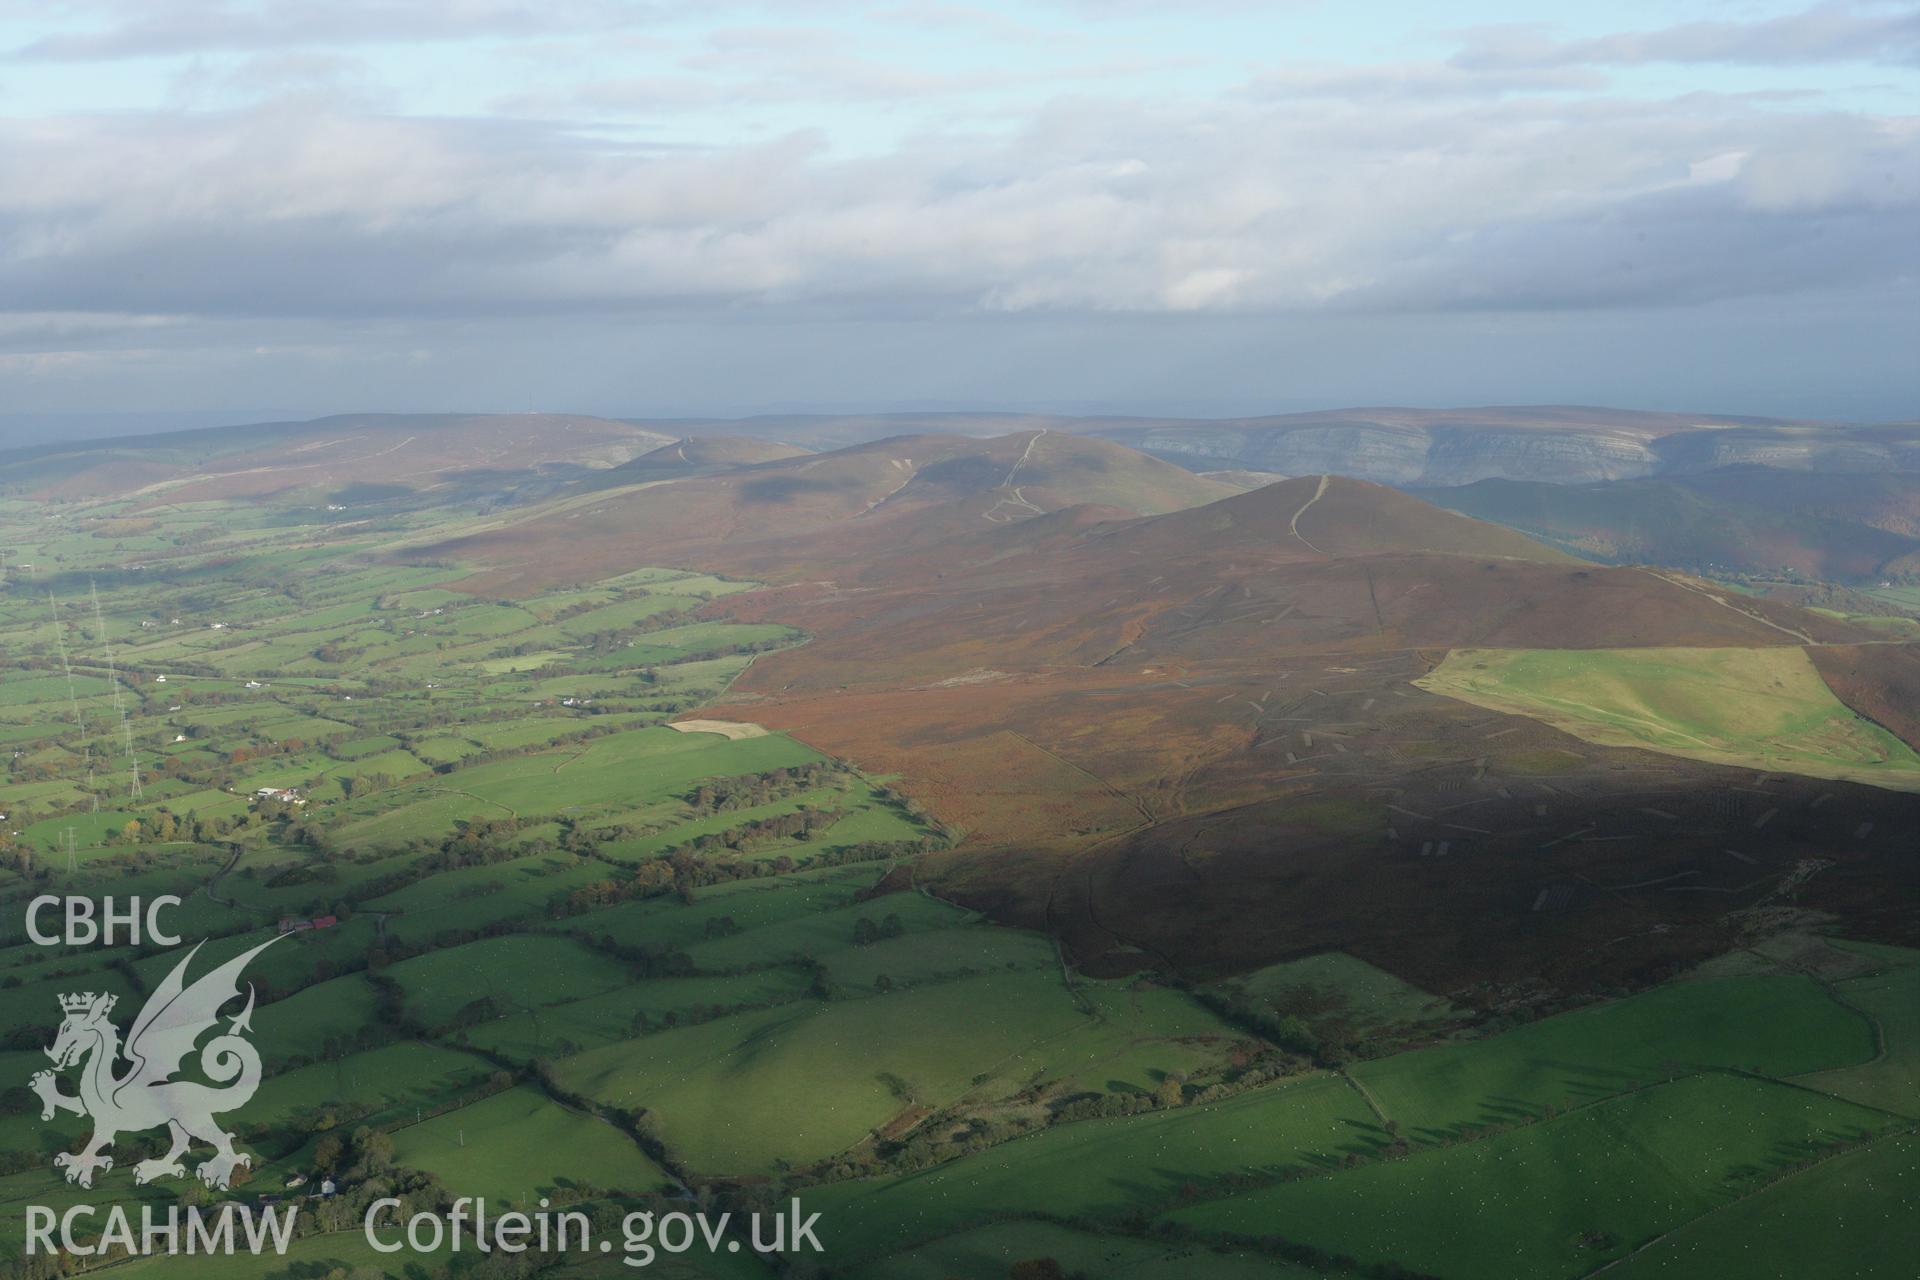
{"points": [[668, 206]]}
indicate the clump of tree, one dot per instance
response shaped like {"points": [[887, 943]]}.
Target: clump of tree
{"points": [[722, 795], [866, 932], [801, 824]]}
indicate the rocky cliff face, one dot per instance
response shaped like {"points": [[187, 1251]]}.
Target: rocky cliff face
{"points": [[1412, 448]]}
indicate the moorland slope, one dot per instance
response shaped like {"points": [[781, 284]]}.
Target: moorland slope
{"points": [[1194, 740], [814, 511]]}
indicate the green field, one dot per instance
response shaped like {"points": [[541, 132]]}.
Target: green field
{"points": [[1905, 597], [1890, 1079], [1757, 708], [990, 1253], [1857, 1215], [521, 971], [1774, 1025], [1529, 1202], [1341, 997], [519, 1145], [1107, 1169], [391, 1081], [723, 1089], [337, 1253]]}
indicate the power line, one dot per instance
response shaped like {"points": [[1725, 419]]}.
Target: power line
{"points": [[113, 681], [73, 700]]}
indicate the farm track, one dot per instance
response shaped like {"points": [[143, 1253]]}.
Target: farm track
{"points": [[1293, 525], [233, 861], [455, 791], [1800, 636]]}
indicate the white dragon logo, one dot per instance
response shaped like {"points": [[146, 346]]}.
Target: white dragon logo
{"points": [[145, 1097]]}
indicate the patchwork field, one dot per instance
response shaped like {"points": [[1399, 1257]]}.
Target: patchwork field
{"points": [[1526, 1203]]}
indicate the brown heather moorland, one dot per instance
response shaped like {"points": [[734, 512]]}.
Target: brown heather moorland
{"points": [[1173, 721]]}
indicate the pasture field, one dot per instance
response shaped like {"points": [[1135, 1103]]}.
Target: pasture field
{"points": [[473, 898], [640, 848], [389, 1081], [1342, 996], [519, 971], [925, 956], [342, 1253], [1771, 1025], [1759, 708], [753, 905], [1526, 1203], [1891, 1079], [1466, 1097], [574, 780], [723, 1089], [1905, 597], [292, 962], [1857, 1214], [316, 1021], [1109, 1169], [815, 933], [517, 1146], [990, 1253], [616, 1016], [89, 831]]}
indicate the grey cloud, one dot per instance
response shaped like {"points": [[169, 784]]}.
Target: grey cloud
{"points": [[1421, 79], [1296, 204], [1831, 33], [769, 66], [153, 28], [330, 80]]}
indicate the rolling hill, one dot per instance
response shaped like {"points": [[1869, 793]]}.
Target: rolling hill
{"points": [[309, 461], [1749, 520], [1551, 443], [1318, 561], [1403, 446], [828, 431], [812, 512], [1194, 739], [1555, 444], [698, 455]]}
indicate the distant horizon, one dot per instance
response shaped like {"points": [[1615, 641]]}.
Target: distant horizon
{"points": [[29, 429]]}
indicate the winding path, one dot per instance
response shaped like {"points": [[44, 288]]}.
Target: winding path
{"points": [[1293, 525]]}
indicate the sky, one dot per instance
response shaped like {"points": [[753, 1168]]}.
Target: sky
{"points": [[221, 208]]}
